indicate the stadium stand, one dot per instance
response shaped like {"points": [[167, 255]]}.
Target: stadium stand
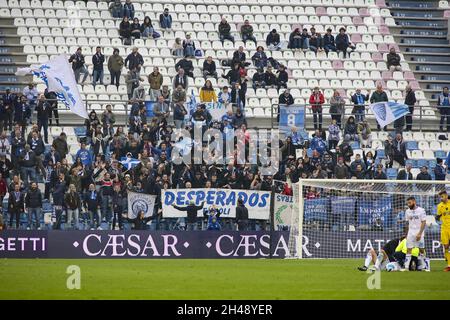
{"points": [[32, 31]]}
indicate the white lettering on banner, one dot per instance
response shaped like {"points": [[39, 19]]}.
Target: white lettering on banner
{"points": [[217, 110], [354, 248], [436, 244], [114, 244], [20, 244], [257, 202], [86, 248], [246, 244], [281, 245], [218, 247]]}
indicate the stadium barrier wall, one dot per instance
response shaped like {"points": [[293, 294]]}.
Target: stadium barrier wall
{"points": [[193, 244]]}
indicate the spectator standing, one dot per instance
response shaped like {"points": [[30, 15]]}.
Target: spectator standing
{"points": [[118, 205], [161, 110], [37, 146], [364, 134], [181, 79], [241, 216], [9, 101], [225, 31], [53, 101], [133, 80], [282, 78], [316, 100], [43, 110], [33, 204], [155, 79], [165, 19], [444, 109], [22, 113], [410, 101], [192, 219], [379, 95], [179, 95], [247, 32], [333, 134], [399, 149], [97, 60], [78, 66], [337, 108], [73, 204], [134, 60], [92, 201], [60, 145], [393, 60], [439, 170], [115, 64], [359, 105], [16, 205], [27, 161], [32, 95], [179, 114]]}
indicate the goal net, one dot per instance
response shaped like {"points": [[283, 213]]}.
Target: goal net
{"points": [[345, 218]]}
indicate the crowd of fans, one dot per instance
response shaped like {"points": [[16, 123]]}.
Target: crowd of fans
{"points": [[93, 181]]}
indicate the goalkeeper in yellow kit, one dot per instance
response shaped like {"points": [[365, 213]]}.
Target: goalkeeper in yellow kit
{"points": [[443, 214]]}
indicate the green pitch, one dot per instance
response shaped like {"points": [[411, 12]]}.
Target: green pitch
{"points": [[215, 279]]}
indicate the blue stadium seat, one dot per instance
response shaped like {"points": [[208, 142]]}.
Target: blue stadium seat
{"points": [[412, 145], [440, 154], [391, 173], [381, 154], [80, 131], [421, 163]]}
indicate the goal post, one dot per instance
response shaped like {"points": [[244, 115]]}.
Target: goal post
{"points": [[334, 218]]}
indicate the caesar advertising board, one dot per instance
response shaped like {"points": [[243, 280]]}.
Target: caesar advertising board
{"points": [[194, 244], [257, 202]]}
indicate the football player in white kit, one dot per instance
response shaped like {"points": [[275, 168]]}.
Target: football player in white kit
{"points": [[415, 217]]}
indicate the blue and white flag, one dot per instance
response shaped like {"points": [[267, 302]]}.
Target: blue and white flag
{"points": [[387, 112], [129, 163], [140, 202], [59, 78], [193, 103]]}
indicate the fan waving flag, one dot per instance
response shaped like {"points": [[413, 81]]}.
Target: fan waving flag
{"points": [[59, 78], [388, 112], [192, 103]]}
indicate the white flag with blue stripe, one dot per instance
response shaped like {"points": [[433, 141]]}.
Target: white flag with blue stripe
{"points": [[388, 112], [59, 78]]}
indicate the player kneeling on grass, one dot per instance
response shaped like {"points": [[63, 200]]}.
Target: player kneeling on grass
{"points": [[416, 221], [443, 214]]}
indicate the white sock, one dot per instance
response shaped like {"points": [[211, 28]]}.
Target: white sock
{"points": [[407, 261], [422, 264], [368, 260], [379, 260]]}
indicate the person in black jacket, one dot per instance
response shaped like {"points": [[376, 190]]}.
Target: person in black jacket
{"points": [[191, 210], [38, 147], [224, 31], [97, 60], [118, 204], [410, 101], [259, 79], [286, 98], [43, 110], [140, 222], [405, 174], [273, 39], [59, 189], [92, 201], [53, 101], [282, 78], [209, 68], [16, 205], [27, 161], [78, 65], [241, 216], [187, 66], [33, 203], [134, 60], [239, 57]]}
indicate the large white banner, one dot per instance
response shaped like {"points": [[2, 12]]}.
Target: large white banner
{"points": [[59, 78], [140, 202], [217, 110], [257, 202]]}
